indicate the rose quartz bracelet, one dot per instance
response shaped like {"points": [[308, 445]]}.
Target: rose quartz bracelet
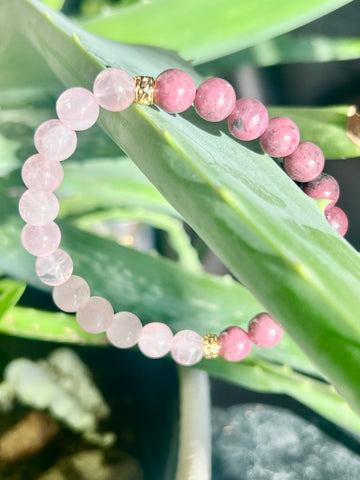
{"points": [[174, 91]]}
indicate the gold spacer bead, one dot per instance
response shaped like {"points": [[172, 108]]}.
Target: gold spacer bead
{"points": [[144, 90], [211, 346]]}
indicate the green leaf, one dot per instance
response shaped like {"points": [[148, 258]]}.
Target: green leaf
{"points": [[268, 233], [288, 48], [10, 293], [49, 326], [207, 29], [325, 126]]}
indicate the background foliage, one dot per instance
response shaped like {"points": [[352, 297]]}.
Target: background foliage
{"points": [[272, 238]]}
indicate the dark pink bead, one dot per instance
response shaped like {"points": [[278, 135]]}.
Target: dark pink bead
{"points": [[248, 120], [234, 344], [264, 331], [215, 99], [281, 137], [174, 91], [305, 163], [337, 219], [324, 186]]}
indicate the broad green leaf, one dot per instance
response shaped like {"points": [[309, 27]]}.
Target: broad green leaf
{"points": [[288, 48], [104, 183], [325, 126], [49, 326], [269, 234], [207, 29], [10, 293]]}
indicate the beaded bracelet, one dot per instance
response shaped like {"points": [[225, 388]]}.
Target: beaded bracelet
{"points": [[174, 91]]}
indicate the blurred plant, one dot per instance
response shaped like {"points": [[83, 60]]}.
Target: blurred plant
{"points": [[270, 236]]}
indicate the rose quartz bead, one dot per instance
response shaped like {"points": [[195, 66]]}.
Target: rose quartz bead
{"points": [[77, 108], [41, 240], [248, 120], [174, 91], [264, 331], [71, 295], [324, 186], [281, 137], [114, 89], [187, 348], [40, 173], [96, 315], [54, 269], [125, 330], [234, 344], [38, 208], [55, 141], [305, 163], [215, 99], [155, 340], [337, 219]]}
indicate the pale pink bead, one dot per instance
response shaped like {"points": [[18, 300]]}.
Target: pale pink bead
{"points": [[38, 208], [324, 186], [264, 331], [337, 219], [215, 99], [248, 119], [54, 269], [174, 91], [96, 315], [77, 108], [281, 137], [40, 173], [71, 295], [114, 89], [234, 344], [41, 240], [187, 347], [155, 340], [55, 141], [305, 163], [125, 330]]}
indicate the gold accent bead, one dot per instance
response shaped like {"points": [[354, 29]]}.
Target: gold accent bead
{"points": [[211, 345], [144, 90]]}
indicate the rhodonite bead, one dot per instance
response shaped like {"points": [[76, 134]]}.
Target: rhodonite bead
{"points": [[215, 99], [324, 186], [264, 331], [96, 315], [55, 141], [305, 163], [114, 89], [77, 108], [41, 174], [281, 137], [41, 240], [38, 208], [248, 120], [155, 340], [71, 295], [187, 347], [174, 91], [54, 269], [234, 344], [337, 219], [125, 330]]}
